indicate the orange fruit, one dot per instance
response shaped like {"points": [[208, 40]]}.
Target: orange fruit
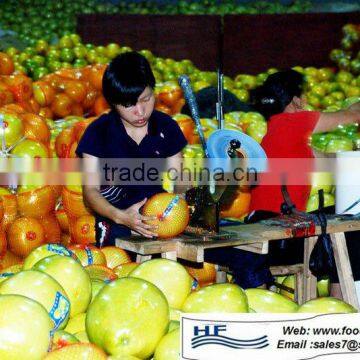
{"points": [[36, 203], [115, 256], [76, 90], [171, 211], [12, 109], [10, 210], [203, 275], [46, 112], [72, 151], [124, 270], [57, 190], [52, 228], [91, 95], [178, 105], [62, 105], [83, 231], [44, 93], [3, 244], [24, 235], [6, 64], [77, 109], [63, 142], [9, 259], [65, 239], [20, 85], [237, 206], [171, 97], [73, 203], [96, 75], [100, 105], [101, 272], [163, 108], [1, 210], [88, 254], [35, 128], [63, 220]]}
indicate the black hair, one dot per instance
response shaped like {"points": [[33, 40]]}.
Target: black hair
{"points": [[206, 99], [277, 92], [126, 78]]}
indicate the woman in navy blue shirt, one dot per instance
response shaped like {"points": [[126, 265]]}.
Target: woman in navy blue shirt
{"points": [[132, 129]]}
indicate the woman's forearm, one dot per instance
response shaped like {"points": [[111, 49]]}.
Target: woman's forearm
{"points": [[100, 205]]}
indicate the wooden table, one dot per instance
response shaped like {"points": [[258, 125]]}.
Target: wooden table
{"points": [[255, 238]]}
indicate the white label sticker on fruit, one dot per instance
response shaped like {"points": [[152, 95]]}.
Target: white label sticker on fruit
{"points": [[60, 309]]}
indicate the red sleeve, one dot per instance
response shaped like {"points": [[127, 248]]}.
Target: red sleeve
{"points": [[287, 137]]}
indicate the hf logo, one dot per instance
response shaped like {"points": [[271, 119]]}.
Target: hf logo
{"points": [[215, 335]]}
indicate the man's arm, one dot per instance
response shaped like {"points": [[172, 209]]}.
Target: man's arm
{"points": [[329, 121]]}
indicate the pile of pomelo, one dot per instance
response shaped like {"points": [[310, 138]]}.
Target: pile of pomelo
{"points": [[87, 302]]}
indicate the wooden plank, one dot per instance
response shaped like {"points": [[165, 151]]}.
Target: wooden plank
{"points": [[146, 246], [343, 266], [310, 281], [258, 248], [299, 289], [221, 274], [142, 258], [286, 269], [170, 255]]}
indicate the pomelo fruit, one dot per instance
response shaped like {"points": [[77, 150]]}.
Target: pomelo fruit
{"points": [[326, 305], [171, 211], [44, 251], [266, 301], [289, 281], [79, 351], [323, 287], [76, 324], [83, 230], [175, 314], [82, 336], [101, 272], [72, 277], [36, 203], [88, 254], [63, 220], [25, 234], [17, 337], [96, 286], [224, 298], [52, 228], [115, 256], [203, 275], [169, 276], [129, 317], [62, 338], [42, 288], [125, 269], [169, 346], [174, 324], [9, 259]]}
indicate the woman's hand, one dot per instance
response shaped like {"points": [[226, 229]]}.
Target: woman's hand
{"points": [[132, 218]]}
